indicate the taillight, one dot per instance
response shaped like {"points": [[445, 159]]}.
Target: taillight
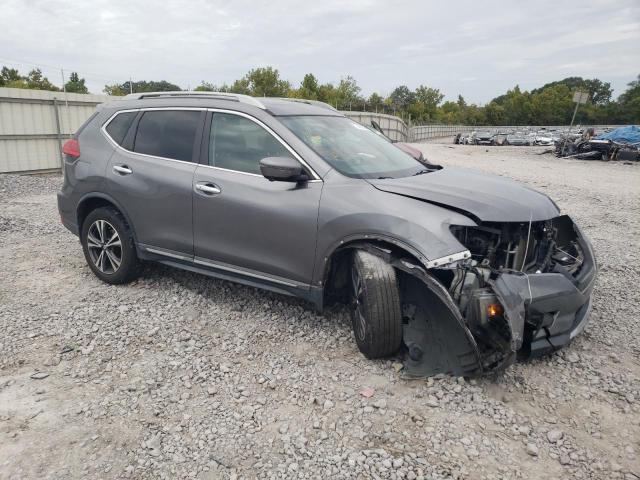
{"points": [[71, 148]]}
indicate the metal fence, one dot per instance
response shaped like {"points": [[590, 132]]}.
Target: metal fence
{"points": [[393, 127], [34, 123], [426, 132]]}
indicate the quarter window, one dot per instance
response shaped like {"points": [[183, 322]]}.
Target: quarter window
{"points": [[167, 133], [119, 126], [237, 143]]}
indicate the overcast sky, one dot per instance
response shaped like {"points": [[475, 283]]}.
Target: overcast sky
{"points": [[478, 49]]}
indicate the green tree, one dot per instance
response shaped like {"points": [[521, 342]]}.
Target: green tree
{"points": [[141, 86], [375, 102], [210, 87], [599, 92], [241, 86], [309, 87], [10, 76], [35, 80], [495, 114], [327, 93], [75, 84], [449, 112], [402, 97], [629, 103], [348, 92], [552, 106], [517, 107], [425, 103], [115, 90], [262, 82]]}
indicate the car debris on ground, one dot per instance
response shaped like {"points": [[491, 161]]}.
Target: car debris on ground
{"points": [[620, 144]]}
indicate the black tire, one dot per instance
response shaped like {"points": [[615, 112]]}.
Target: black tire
{"points": [[111, 222], [375, 314]]}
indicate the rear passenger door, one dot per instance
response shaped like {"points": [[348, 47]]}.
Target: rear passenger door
{"points": [[151, 173]]}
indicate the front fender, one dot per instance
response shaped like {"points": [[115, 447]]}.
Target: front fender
{"points": [[352, 209]]}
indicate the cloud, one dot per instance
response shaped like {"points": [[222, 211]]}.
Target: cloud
{"points": [[459, 47]]}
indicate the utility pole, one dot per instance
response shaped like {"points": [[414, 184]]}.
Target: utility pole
{"points": [[130, 85], [578, 97], [64, 89]]}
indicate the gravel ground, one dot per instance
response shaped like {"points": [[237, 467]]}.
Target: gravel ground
{"points": [[182, 376]]}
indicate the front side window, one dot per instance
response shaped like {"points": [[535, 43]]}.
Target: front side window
{"points": [[351, 148], [167, 134], [118, 127], [237, 143]]}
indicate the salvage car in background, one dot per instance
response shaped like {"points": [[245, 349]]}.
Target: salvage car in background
{"points": [[464, 271], [483, 138], [543, 138], [500, 137], [517, 139]]}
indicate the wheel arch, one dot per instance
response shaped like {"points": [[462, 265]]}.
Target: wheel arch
{"points": [[91, 201], [438, 340], [338, 257]]}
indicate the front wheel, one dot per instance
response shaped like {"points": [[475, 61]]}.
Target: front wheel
{"points": [[376, 314], [108, 246]]}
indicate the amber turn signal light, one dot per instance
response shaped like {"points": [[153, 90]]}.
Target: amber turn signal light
{"points": [[494, 310]]}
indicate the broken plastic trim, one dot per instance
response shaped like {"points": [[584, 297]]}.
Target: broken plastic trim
{"points": [[436, 336]]}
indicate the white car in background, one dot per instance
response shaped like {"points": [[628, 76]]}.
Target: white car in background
{"points": [[543, 138]]}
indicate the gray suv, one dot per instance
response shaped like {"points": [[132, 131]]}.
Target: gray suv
{"points": [[462, 272]]}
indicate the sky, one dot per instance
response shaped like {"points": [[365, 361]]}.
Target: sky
{"points": [[477, 49]]}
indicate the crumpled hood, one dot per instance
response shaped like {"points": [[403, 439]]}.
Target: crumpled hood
{"points": [[485, 197]]}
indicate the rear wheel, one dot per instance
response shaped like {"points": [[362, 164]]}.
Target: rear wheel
{"points": [[108, 246], [376, 314]]}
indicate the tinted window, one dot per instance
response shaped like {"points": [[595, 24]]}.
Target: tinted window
{"points": [[167, 133], [118, 127], [239, 144]]}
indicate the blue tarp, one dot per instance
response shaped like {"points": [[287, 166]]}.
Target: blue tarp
{"points": [[630, 134]]}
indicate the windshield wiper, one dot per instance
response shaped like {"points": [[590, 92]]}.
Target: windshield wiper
{"points": [[420, 172]]}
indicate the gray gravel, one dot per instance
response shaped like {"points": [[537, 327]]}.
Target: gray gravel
{"points": [[182, 376]]}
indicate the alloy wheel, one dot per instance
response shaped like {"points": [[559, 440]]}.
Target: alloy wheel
{"points": [[104, 246], [359, 325]]}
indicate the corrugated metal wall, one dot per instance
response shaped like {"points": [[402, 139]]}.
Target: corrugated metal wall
{"points": [[29, 136]]}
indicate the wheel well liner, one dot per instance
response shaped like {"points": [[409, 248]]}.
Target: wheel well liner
{"points": [[435, 334]]}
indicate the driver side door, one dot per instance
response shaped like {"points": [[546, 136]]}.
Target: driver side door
{"points": [[244, 223]]}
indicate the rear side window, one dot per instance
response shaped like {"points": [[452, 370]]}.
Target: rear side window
{"points": [[167, 133], [239, 144], [118, 127]]}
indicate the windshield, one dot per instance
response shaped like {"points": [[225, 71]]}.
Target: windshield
{"points": [[351, 148]]}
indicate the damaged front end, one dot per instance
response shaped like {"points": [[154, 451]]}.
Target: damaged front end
{"points": [[521, 290]]}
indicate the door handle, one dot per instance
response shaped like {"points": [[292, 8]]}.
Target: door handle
{"points": [[208, 188], [122, 169]]}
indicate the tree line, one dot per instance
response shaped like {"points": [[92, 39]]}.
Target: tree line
{"points": [[550, 104]]}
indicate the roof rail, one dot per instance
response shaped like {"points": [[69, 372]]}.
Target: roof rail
{"points": [[236, 97], [309, 102]]}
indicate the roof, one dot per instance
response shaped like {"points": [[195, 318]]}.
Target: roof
{"points": [[274, 106]]}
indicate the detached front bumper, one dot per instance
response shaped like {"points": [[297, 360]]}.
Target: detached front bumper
{"points": [[542, 312], [545, 311]]}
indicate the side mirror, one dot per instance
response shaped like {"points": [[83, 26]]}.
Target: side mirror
{"points": [[282, 169]]}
